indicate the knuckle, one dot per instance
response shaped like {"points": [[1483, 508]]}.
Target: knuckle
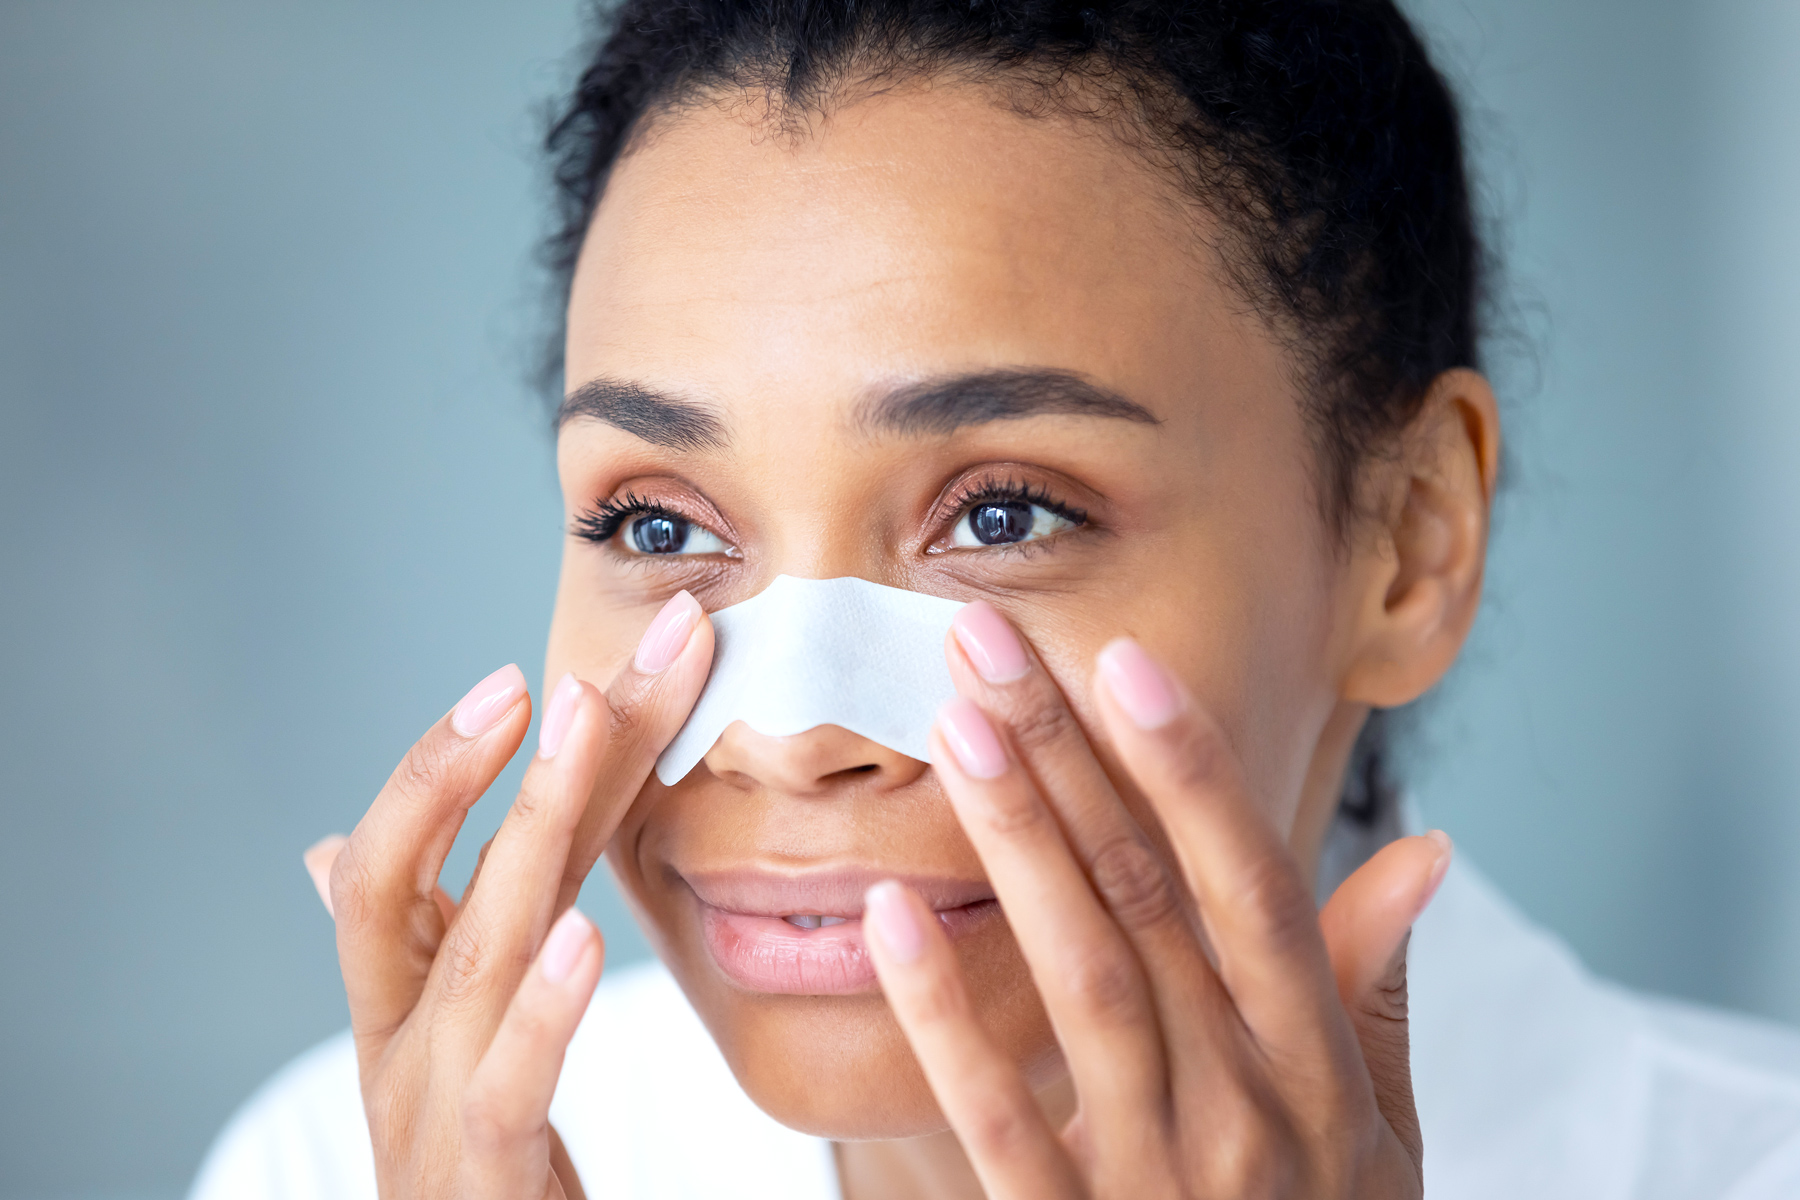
{"points": [[530, 806], [427, 770], [1040, 723], [1386, 1001], [1104, 982], [352, 888], [1276, 904], [625, 713], [1014, 811], [1250, 1158], [464, 964], [1001, 1132], [1198, 761], [489, 1125], [1134, 885]]}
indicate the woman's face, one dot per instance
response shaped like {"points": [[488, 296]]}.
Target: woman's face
{"points": [[789, 349]]}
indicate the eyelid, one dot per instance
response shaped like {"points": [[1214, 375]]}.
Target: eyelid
{"points": [[1001, 481], [958, 498], [625, 503]]}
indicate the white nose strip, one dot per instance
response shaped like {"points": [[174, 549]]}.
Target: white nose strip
{"points": [[810, 652]]}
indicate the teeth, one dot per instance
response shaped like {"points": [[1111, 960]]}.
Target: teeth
{"points": [[813, 921]]}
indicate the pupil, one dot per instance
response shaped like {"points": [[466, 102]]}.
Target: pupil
{"points": [[998, 524], [659, 535]]}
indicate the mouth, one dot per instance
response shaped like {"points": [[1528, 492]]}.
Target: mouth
{"points": [[803, 934]]}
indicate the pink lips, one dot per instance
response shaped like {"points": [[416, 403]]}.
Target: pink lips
{"points": [[744, 920]]}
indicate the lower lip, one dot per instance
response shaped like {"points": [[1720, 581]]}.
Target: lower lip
{"points": [[768, 954]]}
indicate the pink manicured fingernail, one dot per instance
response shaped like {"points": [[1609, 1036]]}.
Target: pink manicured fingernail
{"points": [[488, 701], [319, 858], [886, 911], [990, 643], [1439, 869], [1142, 688], [559, 714], [562, 949], [972, 739], [668, 635]]}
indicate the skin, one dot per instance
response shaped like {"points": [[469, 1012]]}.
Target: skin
{"points": [[1169, 973]]}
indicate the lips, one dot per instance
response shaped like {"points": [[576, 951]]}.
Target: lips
{"points": [[803, 934]]}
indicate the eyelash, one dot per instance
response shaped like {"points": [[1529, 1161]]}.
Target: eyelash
{"points": [[600, 523], [1002, 491]]}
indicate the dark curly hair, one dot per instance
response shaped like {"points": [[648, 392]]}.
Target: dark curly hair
{"points": [[1317, 131]]}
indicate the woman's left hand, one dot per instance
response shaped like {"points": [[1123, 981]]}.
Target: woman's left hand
{"points": [[1224, 1037]]}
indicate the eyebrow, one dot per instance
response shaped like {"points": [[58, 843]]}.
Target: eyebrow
{"points": [[946, 404], [658, 417]]}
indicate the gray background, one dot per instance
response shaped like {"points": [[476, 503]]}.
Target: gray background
{"points": [[272, 495]]}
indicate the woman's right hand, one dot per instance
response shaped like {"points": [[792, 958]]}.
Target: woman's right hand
{"points": [[462, 1013]]}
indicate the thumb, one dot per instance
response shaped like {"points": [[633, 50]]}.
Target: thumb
{"points": [[1367, 924]]}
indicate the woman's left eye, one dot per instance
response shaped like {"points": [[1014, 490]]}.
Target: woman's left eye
{"points": [[1006, 523], [665, 533]]}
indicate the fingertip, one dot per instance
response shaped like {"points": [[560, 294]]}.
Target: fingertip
{"points": [[319, 858], [566, 945], [888, 915], [559, 715], [1145, 692], [1446, 851], [670, 633], [488, 702]]}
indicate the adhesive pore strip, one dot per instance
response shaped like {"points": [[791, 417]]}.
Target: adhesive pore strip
{"points": [[810, 652]]}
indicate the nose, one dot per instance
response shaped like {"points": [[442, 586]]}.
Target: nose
{"points": [[822, 761]]}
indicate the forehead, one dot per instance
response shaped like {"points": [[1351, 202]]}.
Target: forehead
{"points": [[903, 236]]}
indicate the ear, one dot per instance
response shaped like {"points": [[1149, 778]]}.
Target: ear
{"points": [[1416, 579]]}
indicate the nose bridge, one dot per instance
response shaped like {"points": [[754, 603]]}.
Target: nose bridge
{"points": [[825, 761]]}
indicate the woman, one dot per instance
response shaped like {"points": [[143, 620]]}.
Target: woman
{"points": [[1148, 329]]}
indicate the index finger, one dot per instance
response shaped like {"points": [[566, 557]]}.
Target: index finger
{"points": [[595, 752], [646, 705]]}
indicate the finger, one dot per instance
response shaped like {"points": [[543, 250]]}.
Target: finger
{"points": [[318, 859], [1090, 978], [647, 704], [1257, 910], [506, 1138], [384, 879], [1366, 925], [480, 857], [322, 854], [1014, 1151], [564, 1168], [508, 911], [993, 666], [593, 758]]}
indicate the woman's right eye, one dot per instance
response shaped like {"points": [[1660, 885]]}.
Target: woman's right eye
{"points": [[666, 533]]}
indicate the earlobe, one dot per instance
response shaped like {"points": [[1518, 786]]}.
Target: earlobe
{"points": [[1418, 583]]}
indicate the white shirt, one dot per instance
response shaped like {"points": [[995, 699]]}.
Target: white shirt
{"points": [[1533, 1078]]}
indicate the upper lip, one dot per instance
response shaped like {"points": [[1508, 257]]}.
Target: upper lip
{"points": [[832, 892]]}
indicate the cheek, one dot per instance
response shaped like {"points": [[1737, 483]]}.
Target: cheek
{"points": [[591, 634], [1247, 632]]}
